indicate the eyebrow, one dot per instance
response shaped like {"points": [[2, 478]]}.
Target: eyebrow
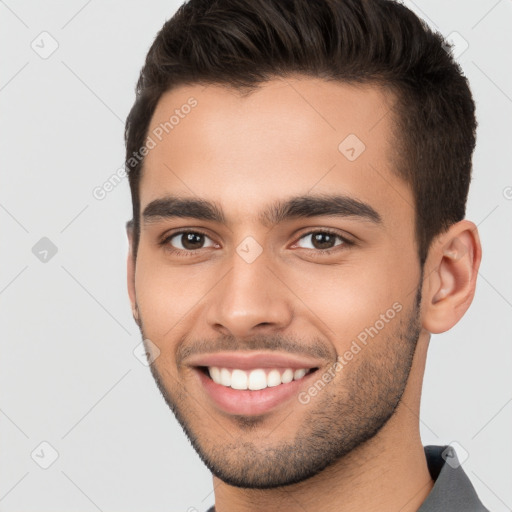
{"points": [[296, 207]]}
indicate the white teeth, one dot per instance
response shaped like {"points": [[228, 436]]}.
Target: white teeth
{"points": [[299, 374], [238, 379], [287, 376], [215, 374], [254, 379], [225, 377], [257, 380], [273, 378]]}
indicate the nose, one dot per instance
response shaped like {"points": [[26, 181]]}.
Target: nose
{"points": [[251, 297]]}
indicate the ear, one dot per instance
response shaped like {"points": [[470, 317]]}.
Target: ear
{"points": [[130, 272], [451, 269]]}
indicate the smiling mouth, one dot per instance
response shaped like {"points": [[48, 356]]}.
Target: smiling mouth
{"points": [[255, 379]]}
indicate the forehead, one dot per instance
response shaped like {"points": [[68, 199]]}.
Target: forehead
{"points": [[291, 136]]}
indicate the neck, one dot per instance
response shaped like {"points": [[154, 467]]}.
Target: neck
{"points": [[388, 472]]}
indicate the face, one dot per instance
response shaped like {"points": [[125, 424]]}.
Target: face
{"points": [[277, 280]]}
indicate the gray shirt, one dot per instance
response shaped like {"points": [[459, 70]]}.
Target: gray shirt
{"points": [[452, 491]]}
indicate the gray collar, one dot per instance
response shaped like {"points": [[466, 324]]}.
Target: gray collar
{"points": [[452, 489]]}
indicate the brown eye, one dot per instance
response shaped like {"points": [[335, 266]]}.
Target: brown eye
{"points": [[322, 240], [189, 241]]}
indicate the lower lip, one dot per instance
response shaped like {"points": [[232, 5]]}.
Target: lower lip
{"points": [[251, 403]]}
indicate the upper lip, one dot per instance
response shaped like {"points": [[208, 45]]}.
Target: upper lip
{"points": [[249, 360]]}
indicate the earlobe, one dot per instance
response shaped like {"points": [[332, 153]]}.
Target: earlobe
{"points": [[135, 313], [452, 266]]}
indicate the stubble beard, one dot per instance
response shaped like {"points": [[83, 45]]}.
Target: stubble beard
{"points": [[348, 412]]}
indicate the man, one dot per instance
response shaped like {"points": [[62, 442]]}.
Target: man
{"points": [[299, 173]]}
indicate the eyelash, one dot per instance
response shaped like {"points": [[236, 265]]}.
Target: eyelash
{"points": [[346, 244]]}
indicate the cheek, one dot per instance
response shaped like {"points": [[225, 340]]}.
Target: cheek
{"points": [[166, 295], [345, 300]]}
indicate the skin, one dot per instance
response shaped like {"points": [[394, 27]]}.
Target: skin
{"points": [[246, 152]]}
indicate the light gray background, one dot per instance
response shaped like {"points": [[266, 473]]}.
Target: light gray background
{"points": [[68, 375]]}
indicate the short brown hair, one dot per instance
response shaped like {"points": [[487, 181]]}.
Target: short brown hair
{"points": [[243, 43]]}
